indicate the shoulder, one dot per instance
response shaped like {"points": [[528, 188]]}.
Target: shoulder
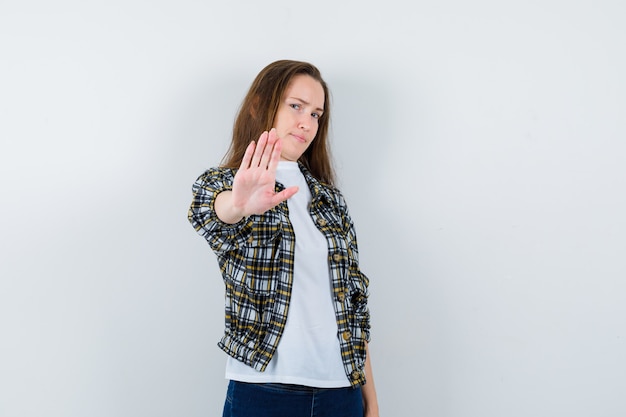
{"points": [[215, 177], [213, 181], [335, 194], [331, 194], [217, 173]]}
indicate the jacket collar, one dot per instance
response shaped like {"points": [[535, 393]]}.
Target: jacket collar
{"points": [[319, 190]]}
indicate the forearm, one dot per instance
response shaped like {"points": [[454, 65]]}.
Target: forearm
{"points": [[370, 400]]}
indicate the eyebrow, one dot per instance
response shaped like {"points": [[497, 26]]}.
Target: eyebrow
{"points": [[306, 102]]}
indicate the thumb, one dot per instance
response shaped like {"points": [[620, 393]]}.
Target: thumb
{"points": [[285, 194]]}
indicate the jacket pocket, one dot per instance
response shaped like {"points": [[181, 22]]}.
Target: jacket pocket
{"points": [[254, 270]]}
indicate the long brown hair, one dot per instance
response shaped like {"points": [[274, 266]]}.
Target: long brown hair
{"points": [[258, 111]]}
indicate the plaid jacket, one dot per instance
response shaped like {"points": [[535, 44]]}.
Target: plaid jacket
{"points": [[256, 257]]}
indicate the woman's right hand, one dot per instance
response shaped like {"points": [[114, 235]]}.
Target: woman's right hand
{"points": [[254, 184]]}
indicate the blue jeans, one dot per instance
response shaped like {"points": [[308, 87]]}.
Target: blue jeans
{"points": [[281, 400]]}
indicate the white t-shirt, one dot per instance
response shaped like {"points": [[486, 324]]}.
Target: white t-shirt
{"points": [[308, 352]]}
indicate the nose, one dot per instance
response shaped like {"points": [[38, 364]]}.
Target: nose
{"points": [[303, 122]]}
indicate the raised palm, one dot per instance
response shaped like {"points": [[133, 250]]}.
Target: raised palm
{"points": [[253, 186]]}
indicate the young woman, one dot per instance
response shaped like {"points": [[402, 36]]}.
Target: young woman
{"points": [[297, 321]]}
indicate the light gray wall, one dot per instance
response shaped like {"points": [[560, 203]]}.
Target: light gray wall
{"points": [[481, 146]]}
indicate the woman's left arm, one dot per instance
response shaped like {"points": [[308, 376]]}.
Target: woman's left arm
{"points": [[370, 400]]}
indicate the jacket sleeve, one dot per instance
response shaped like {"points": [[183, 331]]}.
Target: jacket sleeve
{"points": [[358, 279], [223, 237]]}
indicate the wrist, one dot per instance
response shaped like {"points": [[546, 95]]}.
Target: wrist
{"points": [[370, 407], [227, 211]]}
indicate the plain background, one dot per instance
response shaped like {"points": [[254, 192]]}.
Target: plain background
{"points": [[481, 147]]}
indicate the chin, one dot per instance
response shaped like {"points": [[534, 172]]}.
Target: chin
{"points": [[292, 156]]}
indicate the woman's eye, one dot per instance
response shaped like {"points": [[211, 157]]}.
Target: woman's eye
{"points": [[316, 115], [295, 106]]}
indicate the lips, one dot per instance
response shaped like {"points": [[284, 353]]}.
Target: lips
{"points": [[299, 138]]}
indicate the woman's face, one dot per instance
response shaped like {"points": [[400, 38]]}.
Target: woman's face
{"points": [[298, 115]]}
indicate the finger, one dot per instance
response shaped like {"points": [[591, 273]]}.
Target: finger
{"points": [[260, 148], [272, 135], [269, 148], [273, 164], [247, 156]]}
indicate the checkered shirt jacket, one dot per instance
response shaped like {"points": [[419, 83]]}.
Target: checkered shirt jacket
{"points": [[256, 257]]}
